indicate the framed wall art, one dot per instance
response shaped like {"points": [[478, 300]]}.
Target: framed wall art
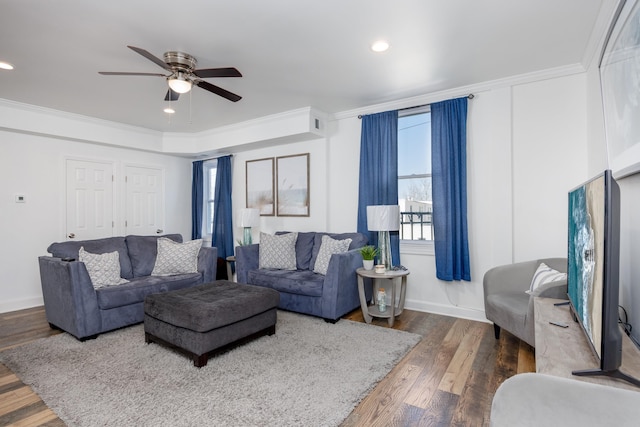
{"points": [[619, 71], [293, 185], [260, 194]]}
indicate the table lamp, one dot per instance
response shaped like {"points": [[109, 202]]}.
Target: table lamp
{"points": [[248, 218], [384, 218]]}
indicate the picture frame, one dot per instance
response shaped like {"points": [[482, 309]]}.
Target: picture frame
{"points": [[292, 178], [260, 185], [619, 70]]}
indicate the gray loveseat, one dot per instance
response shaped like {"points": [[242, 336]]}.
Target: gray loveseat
{"points": [[73, 305], [302, 290]]}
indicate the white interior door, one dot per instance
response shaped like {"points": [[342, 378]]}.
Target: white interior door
{"points": [[89, 200], [145, 201]]}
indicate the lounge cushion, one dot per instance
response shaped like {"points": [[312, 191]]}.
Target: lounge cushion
{"points": [[301, 282], [137, 289], [213, 305], [278, 251], [327, 249], [357, 240], [103, 269], [176, 258], [97, 246], [143, 251]]}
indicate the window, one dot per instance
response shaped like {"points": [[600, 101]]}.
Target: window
{"points": [[208, 196], [414, 174]]}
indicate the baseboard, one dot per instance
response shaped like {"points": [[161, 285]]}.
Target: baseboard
{"points": [[20, 304], [446, 310]]}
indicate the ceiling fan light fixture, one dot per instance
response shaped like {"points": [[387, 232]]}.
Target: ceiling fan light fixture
{"points": [[179, 84]]}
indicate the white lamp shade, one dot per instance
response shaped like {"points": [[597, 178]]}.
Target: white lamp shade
{"points": [[179, 85], [383, 218], [248, 217]]}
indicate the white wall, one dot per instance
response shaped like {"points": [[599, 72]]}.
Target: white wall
{"points": [[34, 166]]}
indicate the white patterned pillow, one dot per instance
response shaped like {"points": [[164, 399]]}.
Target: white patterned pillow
{"points": [[545, 274], [103, 269], [278, 251], [176, 258], [329, 247]]}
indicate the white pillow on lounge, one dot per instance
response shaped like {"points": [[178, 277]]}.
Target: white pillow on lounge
{"points": [[329, 247], [103, 269], [176, 258], [545, 274], [278, 251]]}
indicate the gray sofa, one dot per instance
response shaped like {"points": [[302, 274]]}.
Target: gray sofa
{"points": [[73, 305], [302, 290]]}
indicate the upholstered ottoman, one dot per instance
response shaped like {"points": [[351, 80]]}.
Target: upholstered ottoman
{"points": [[207, 319]]}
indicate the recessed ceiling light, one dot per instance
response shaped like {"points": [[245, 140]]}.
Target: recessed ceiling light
{"points": [[380, 46], [169, 110], [6, 66]]}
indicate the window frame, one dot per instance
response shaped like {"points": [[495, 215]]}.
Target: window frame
{"points": [[407, 246], [208, 197]]}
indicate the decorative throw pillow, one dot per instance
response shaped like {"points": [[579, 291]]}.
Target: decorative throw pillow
{"points": [[329, 247], [545, 274], [176, 258], [103, 269], [278, 251]]}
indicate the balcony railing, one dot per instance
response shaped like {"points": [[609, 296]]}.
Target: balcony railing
{"points": [[416, 225]]}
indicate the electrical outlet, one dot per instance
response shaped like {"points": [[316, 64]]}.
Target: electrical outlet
{"points": [[21, 198]]}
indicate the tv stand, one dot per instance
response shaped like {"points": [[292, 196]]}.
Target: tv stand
{"points": [[565, 352]]}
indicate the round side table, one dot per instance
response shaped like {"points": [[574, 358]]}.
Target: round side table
{"points": [[229, 260], [394, 278]]}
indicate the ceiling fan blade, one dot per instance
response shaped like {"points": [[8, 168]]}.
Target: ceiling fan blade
{"points": [[116, 73], [219, 91], [172, 95], [217, 72], [150, 57]]}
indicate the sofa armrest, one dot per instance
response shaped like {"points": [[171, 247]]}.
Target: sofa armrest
{"points": [[247, 259], [70, 300], [208, 263], [340, 290]]}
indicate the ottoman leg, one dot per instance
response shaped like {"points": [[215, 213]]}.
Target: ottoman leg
{"points": [[200, 361]]}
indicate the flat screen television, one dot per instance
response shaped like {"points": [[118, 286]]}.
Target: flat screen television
{"points": [[594, 269]]}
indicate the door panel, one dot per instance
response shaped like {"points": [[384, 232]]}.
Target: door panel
{"points": [[145, 201], [89, 211]]}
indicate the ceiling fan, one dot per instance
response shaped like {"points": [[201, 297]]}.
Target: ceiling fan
{"points": [[183, 75]]}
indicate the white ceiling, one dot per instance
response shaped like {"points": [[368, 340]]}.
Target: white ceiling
{"points": [[292, 53]]}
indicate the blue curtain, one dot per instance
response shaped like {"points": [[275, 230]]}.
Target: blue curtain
{"points": [[196, 199], [449, 187], [222, 236], [378, 183]]}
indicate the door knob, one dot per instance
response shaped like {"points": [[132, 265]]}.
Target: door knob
{"points": [[72, 236]]}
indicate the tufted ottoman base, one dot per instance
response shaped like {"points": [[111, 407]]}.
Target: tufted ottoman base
{"points": [[208, 319]]}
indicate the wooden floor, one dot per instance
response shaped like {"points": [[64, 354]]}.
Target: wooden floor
{"points": [[449, 378]]}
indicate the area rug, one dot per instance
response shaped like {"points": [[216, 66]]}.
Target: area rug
{"points": [[310, 373]]}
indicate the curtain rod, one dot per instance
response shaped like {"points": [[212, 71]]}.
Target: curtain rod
{"points": [[470, 96], [213, 158]]}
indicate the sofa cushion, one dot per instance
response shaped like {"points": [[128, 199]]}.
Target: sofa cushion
{"points": [[301, 282], [545, 274], [138, 288], [103, 269], [71, 249], [176, 258], [304, 248], [143, 251], [329, 247], [278, 251], [357, 240]]}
